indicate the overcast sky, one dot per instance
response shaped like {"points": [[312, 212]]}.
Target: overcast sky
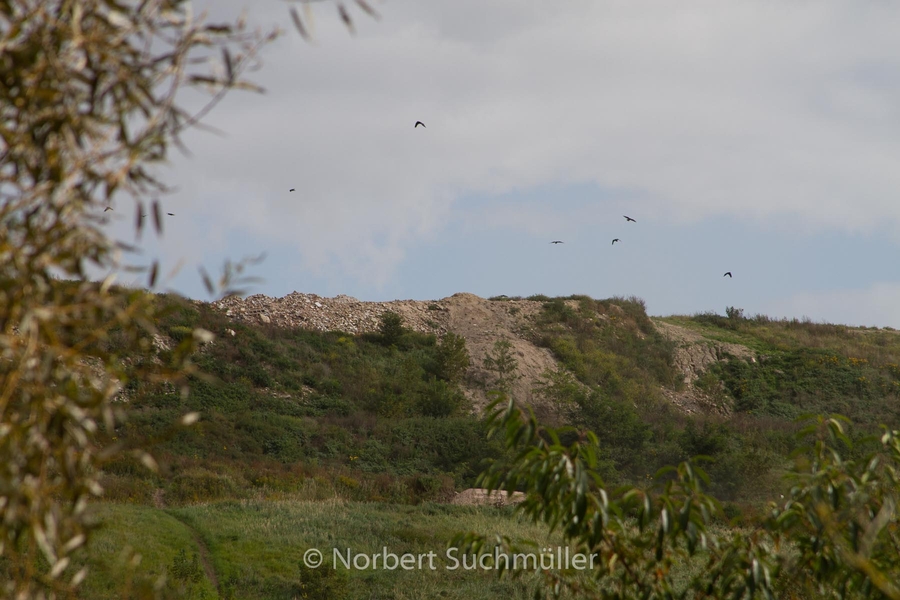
{"points": [[760, 137]]}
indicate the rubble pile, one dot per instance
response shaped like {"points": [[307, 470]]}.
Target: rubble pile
{"points": [[481, 323], [341, 313]]}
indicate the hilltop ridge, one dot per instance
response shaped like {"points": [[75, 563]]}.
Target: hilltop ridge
{"points": [[481, 322]]}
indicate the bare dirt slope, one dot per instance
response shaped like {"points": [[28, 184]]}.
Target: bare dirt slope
{"points": [[482, 323]]}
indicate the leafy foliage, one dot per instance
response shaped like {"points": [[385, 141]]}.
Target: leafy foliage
{"points": [[842, 519], [87, 105], [837, 535]]}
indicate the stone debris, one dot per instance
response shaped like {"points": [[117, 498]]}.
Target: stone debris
{"points": [[341, 313]]}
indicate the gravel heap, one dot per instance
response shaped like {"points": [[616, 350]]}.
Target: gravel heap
{"points": [[341, 313]]}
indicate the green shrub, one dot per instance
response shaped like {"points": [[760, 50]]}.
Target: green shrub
{"points": [[451, 358], [733, 313], [623, 434], [557, 311], [834, 537], [391, 328], [441, 399], [184, 569], [332, 405]]}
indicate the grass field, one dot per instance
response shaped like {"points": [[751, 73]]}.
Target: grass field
{"points": [[254, 549]]}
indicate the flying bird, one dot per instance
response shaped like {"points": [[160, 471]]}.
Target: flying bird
{"points": [[291, 190], [419, 123], [627, 218], [728, 274], [556, 242], [171, 214], [107, 208], [616, 240]]}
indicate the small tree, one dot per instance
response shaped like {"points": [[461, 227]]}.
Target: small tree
{"points": [[451, 358], [89, 93], [391, 328], [502, 362], [560, 389]]}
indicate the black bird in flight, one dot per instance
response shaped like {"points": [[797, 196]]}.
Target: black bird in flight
{"points": [[107, 208], [171, 214], [728, 274], [419, 123], [556, 242], [616, 240], [291, 190], [627, 218]]}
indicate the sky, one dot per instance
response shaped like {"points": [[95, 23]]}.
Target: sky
{"points": [[756, 137]]}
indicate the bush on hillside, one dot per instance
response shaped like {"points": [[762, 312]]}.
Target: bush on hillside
{"points": [[390, 328]]}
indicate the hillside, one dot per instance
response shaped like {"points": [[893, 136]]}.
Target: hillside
{"points": [[480, 322], [699, 346], [308, 400], [306, 386]]}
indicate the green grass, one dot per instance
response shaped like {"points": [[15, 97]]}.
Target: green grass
{"points": [[256, 548], [720, 333], [763, 334], [129, 535]]}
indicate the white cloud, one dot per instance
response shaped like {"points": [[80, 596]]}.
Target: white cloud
{"points": [[699, 108]]}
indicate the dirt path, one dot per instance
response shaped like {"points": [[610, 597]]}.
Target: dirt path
{"points": [[202, 552]]}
